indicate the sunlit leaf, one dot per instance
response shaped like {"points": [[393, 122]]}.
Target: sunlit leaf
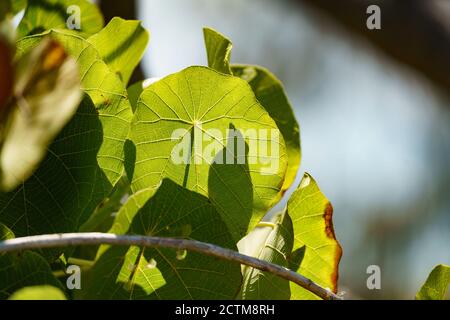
{"points": [[436, 285], [271, 240], [240, 162], [218, 49], [38, 293], [316, 252], [87, 157]]}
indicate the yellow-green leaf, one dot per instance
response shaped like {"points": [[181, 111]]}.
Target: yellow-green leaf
{"points": [[316, 252], [436, 285], [38, 293]]}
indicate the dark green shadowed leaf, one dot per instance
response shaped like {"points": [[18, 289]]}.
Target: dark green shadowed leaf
{"points": [[121, 44], [271, 240], [138, 273], [207, 132], [268, 90], [87, 157], [22, 269], [42, 15], [218, 49], [436, 285]]}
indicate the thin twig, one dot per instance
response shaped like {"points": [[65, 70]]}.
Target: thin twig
{"points": [[95, 238]]}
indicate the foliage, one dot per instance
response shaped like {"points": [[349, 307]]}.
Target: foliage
{"points": [[80, 150]]}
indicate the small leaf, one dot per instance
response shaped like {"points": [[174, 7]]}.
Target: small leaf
{"points": [[159, 273], [311, 215], [121, 44], [271, 240], [7, 75], [218, 48], [268, 90], [46, 95], [38, 293], [43, 15], [436, 285]]}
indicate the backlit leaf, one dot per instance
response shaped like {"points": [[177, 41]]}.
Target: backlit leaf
{"points": [[436, 285]]}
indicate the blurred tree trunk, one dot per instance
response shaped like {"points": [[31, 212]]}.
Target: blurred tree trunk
{"points": [[413, 32], [126, 9]]}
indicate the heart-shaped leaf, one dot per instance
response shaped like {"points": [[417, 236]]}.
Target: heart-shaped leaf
{"points": [[207, 132]]}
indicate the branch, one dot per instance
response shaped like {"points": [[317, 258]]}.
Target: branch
{"points": [[95, 238]]}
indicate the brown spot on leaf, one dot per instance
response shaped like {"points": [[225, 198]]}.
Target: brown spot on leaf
{"points": [[329, 230]]}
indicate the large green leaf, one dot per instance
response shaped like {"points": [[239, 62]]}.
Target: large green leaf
{"points": [[42, 15], [436, 285], [46, 95], [121, 45], [7, 74], [22, 269], [87, 157], [38, 293], [207, 132], [268, 90], [272, 241], [316, 252], [138, 273]]}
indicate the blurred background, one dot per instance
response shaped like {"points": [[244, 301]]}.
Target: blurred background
{"points": [[373, 107]]}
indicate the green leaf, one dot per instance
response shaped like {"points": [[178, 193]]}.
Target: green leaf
{"points": [[38, 293], [121, 44], [46, 96], [185, 128], [268, 90], [42, 15], [272, 241], [218, 49], [436, 285], [87, 157], [138, 273], [22, 269], [316, 252]]}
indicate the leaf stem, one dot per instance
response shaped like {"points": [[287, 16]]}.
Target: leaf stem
{"points": [[95, 238]]}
